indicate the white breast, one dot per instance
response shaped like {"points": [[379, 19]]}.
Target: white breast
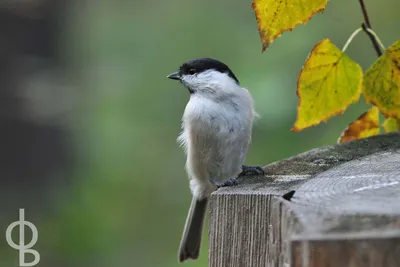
{"points": [[216, 134]]}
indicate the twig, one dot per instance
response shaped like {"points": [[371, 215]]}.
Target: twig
{"points": [[364, 11], [376, 38], [372, 38], [367, 25]]}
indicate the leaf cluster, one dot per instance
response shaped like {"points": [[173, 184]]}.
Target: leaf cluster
{"points": [[330, 81]]}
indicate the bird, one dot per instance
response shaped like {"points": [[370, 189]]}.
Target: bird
{"points": [[216, 132]]}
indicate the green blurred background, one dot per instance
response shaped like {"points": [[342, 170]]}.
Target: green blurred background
{"points": [[89, 120]]}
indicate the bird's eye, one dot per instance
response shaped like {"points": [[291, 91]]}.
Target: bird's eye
{"points": [[192, 71]]}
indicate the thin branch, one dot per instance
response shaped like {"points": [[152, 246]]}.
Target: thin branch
{"points": [[365, 14], [376, 38], [367, 25], [373, 40]]}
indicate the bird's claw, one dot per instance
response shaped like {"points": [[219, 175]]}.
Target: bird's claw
{"points": [[228, 182], [251, 170]]}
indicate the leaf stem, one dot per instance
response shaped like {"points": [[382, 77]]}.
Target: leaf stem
{"points": [[367, 25], [370, 31], [351, 39]]}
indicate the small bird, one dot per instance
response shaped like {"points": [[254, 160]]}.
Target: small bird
{"points": [[216, 133]]}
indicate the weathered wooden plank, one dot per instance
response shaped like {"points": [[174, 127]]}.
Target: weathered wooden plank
{"points": [[369, 249], [243, 235], [346, 189]]}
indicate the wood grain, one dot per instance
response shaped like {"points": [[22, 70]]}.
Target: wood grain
{"points": [[347, 200]]}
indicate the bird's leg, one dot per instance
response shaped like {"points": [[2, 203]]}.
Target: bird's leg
{"points": [[228, 182], [251, 170], [246, 171]]}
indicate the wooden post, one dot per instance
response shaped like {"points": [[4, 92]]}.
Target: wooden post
{"points": [[345, 212]]}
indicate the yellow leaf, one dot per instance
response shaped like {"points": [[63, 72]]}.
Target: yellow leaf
{"points": [[391, 125], [382, 82], [366, 125], [328, 83], [276, 16]]}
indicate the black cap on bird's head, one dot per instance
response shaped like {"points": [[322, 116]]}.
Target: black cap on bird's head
{"points": [[200, 65]]}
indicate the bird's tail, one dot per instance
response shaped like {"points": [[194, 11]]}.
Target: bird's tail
{"points": [[191, 238]]}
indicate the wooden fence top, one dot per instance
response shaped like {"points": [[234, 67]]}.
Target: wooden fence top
{"points": [[345, 211]]}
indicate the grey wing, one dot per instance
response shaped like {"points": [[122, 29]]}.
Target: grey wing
{"points": [[229, 154]]}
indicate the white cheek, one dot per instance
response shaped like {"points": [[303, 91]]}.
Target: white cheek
{"points": [[195, 80], [210, 81]]}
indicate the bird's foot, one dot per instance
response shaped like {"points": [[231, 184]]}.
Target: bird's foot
{"points": [[251, 170], [228, 182]]}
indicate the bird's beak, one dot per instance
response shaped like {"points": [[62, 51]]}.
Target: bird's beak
{"points": [[174, 76]]}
